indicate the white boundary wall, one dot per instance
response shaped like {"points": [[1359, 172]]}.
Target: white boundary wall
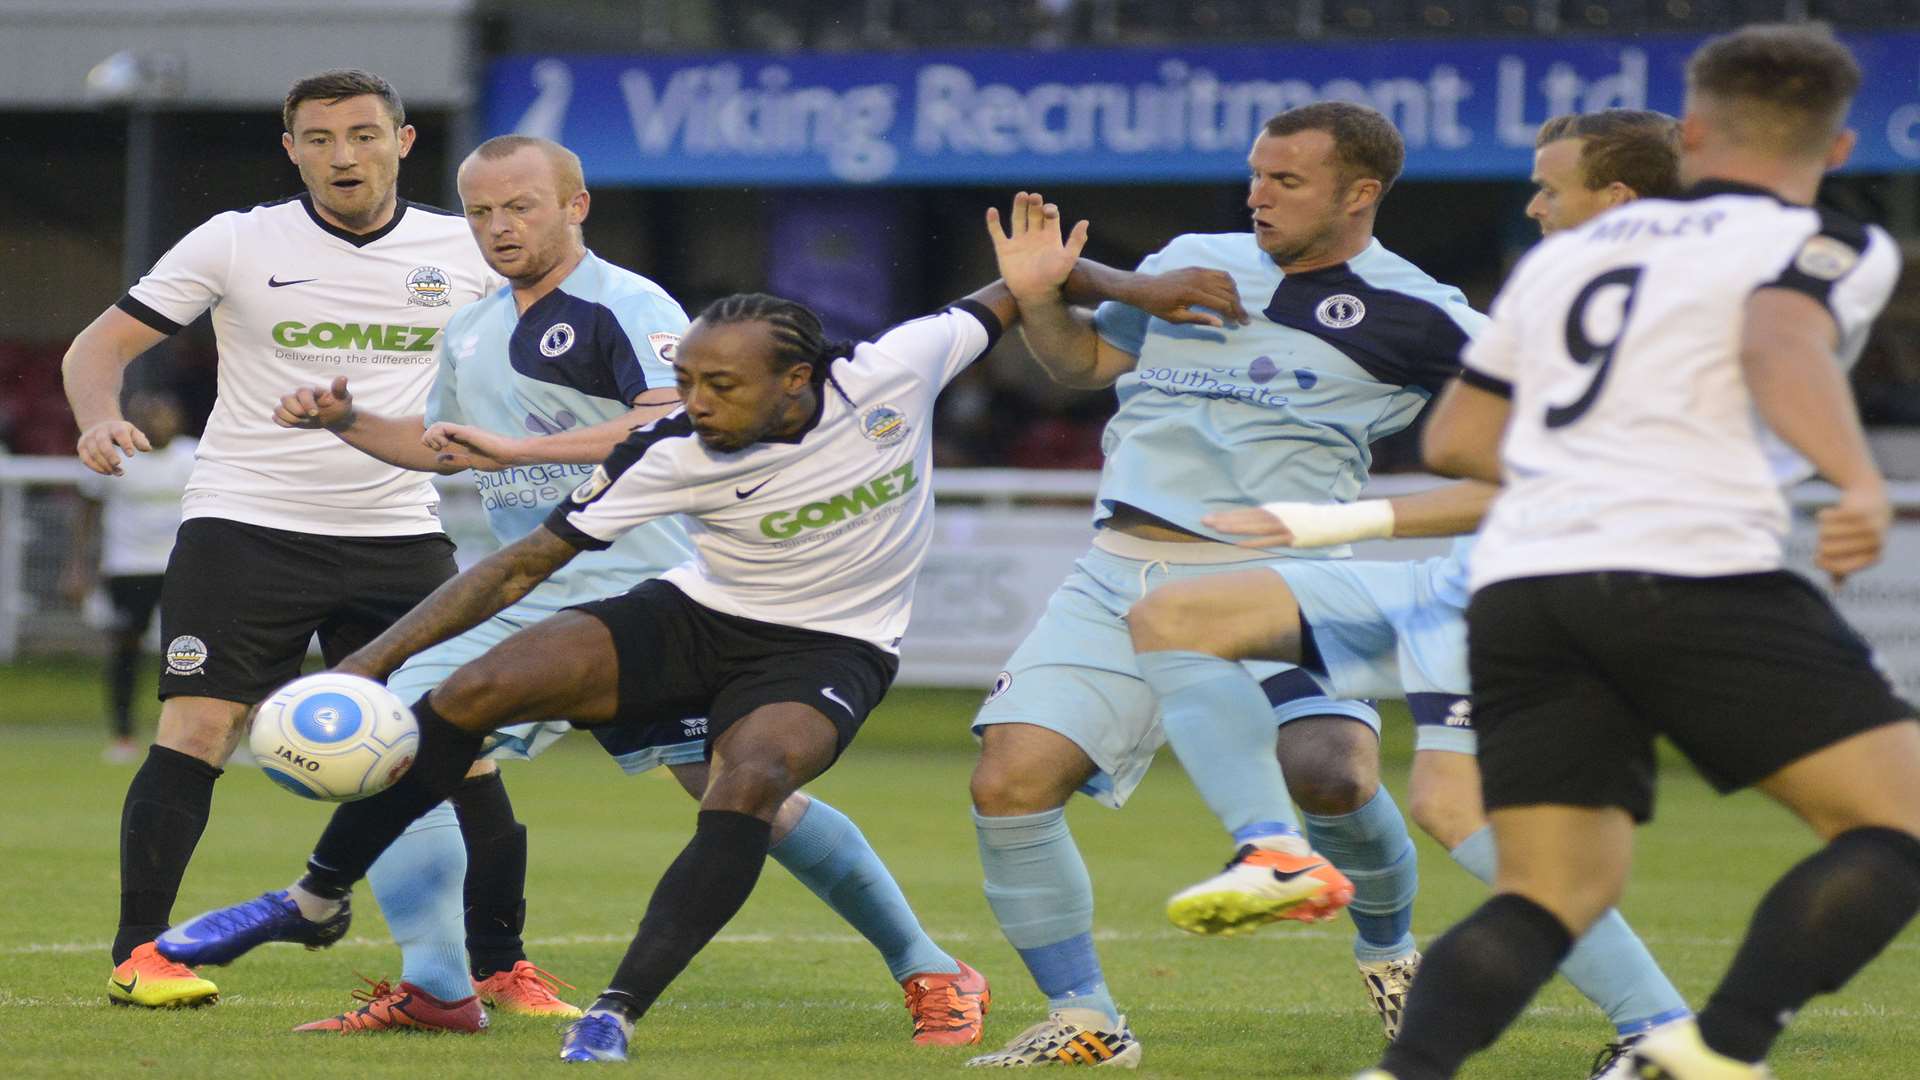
{"points": [[1003, 540]]}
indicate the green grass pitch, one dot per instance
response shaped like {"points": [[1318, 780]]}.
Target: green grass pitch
{"points": [[790, 990]]}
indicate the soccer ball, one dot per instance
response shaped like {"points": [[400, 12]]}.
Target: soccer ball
{"points": [[334, 737]]}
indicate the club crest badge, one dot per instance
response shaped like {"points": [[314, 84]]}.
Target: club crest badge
{"points": [[429, 286], [1340, 311], [884, 424], [557, 339], [186, 655]]}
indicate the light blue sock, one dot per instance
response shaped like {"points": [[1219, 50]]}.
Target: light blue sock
{"points": [[828, 854], [1220, 725], [1038, 888], [1610, 964], [1372, 848], [418, 883]]}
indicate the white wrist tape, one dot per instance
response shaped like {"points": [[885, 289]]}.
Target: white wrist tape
{"points": [[1326, 524]]}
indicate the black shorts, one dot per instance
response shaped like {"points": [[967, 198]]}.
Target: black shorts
{"points": [[134, 596], [681, 660], [1575, 674], [241, 602]]}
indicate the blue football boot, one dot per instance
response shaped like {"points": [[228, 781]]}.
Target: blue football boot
{"points": [[225, 934]]}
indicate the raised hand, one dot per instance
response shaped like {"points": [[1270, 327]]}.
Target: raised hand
{"points": [[1034, 259], [101, 446], [1191, 295], [314, 407]]}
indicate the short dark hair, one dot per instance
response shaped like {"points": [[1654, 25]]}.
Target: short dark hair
{"points": [[1636, 147], [339, 84], [1365, 143], [1787, 86], [798, 337]]}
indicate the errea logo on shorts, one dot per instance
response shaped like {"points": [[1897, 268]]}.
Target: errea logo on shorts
{"points": [[186, 655]]}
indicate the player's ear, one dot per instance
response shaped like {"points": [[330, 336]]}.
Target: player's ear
{"points": [[1361, 194], [1618, 193], [1842, 148], [577, 208], [406, 139], [286, 143]]}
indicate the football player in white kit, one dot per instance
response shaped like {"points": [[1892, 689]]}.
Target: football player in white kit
{"points": [[284, 536], [1627, 584], [801, 468]]}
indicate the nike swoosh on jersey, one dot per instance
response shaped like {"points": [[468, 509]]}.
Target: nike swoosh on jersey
{"points": [[738, 494], [274, 283], [827, 692]]}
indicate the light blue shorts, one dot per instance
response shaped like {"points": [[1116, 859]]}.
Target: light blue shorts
{"points": [[430, 668], [1383, 631], [1075, 675]]}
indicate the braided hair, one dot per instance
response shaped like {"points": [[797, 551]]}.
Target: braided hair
{"points": [[797, 335]]}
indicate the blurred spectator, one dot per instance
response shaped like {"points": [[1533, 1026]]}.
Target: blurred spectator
{"points": [[121, 541]]}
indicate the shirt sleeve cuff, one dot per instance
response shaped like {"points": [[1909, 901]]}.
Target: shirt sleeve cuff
{"points": [[558, 525], [147, 315], [986, 318], [1480, 380]]}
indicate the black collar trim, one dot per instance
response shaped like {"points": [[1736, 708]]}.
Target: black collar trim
{"points": [[356, 239], [1707, 189]]}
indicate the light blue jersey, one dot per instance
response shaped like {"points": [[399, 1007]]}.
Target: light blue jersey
{"points": [[579, 356], [1282, 409]]}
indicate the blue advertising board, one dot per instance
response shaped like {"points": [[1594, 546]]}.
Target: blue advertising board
{"points": [[1468, 109]]}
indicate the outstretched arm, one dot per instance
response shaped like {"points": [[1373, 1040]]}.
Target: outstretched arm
{"points": [[1448, 510], [474, 595], [1045, 275], [489, 450], [392, 439]]}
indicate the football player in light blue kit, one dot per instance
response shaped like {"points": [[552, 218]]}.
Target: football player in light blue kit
{"points": [[1398, 629], [1345, 343], [576, 352]]}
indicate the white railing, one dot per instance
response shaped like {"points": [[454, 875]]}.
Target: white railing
{"points": [[1003, 540]]}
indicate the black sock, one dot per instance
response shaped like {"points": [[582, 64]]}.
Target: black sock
{"points": [[1473, 983], [123, 663], [1819, 924], [700, 893], [360, 831], [496, 888], [160, 824]]}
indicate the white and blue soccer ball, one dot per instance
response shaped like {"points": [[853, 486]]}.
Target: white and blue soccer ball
{"points": [[334, 737]]}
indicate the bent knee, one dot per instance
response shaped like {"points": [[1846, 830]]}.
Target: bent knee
{"points": [[1007, 783], [756, 786]]}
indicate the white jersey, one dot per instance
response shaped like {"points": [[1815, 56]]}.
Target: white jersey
{"points": [[1633, 442], [297, 301], [825, 530], [141, 509]]}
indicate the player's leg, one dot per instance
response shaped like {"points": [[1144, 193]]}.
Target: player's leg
{"points": [[1069, 714], [1609, 964], [563, 666], [134, 598], [1836, 910], [767, 737], [825, 851], [235, 629], [1189, 636], [1568, 767]]}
